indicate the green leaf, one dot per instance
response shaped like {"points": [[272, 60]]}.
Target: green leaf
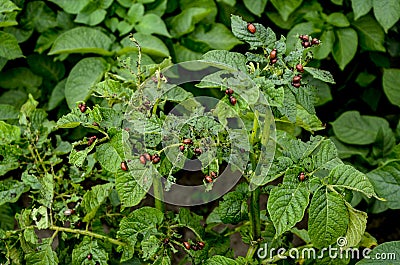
{"points": [[46, 39], [150, 45], [338, 20], [220, 260], [184, 54], [41, 217], [292, 42], [286, 205], [9, 47], [43, 256], [345, 46], [328, 219], [152, 24], [150, 247], [325, 156], [124, 27], [162, 260], [129, 190], [90, 17], [371, 35], [285, 8], [233, 209], [263, 37], [9, 133], [327, 40], [46, 67], [29, 106], [72, 7], [83, 76], [8, 19], [82, 40], [8, 112], [391, 85], [110, 88], [11, 190], [386, 181], [390, 250], [108, 157], [346, 176], [77, 158], [361, 7], [364, 79], [57, 95], [144, 222], [40, 16], [46, 192], [357, 225], [86, 247], [323, 91], [19, 77], [385, 141], [93, 199], [191, 221], [289, 106], [218, 37], [255, 7], [320, 74], [184, 22], [8, 6], [7, 219], [232, 59], [275, 95], [72, 119], [135, 13], [175, 94], [352, 128], [387, 12], [346, 151], [302, 234], [337, 2]]}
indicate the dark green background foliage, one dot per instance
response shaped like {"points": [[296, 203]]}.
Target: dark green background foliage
{"points": [[57, 53]]}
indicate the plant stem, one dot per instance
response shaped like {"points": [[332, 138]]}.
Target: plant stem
{"points": [[250, 252], [158, 194], [87, 233], [255, 214]]}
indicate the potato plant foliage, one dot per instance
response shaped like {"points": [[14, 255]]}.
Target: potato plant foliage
{"points": [[74, 188]]}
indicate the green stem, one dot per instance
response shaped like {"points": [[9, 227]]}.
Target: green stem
{"points": [[250, 252], [154, 110], [255, 214], [87, 233], [158, 194]]}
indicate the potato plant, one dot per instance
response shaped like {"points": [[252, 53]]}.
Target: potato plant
{"points": [[90, 200]]}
